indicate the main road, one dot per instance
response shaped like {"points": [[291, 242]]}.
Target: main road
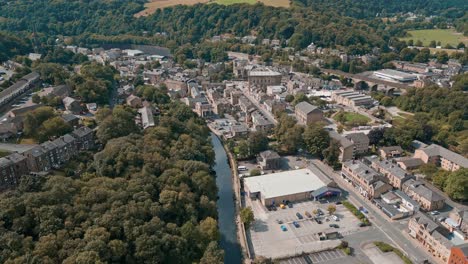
{"points": [[394, 231]]}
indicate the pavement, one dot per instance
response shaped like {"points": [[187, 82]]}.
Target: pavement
{"points": [[379, 257], [396, 232], [336, 256], [20, 148]]}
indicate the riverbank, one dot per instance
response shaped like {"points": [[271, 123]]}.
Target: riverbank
{"points": [[236, 186]]}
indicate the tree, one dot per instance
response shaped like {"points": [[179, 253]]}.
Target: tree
{"points": [[440, 178], [120, 123], [36, 99], [247, 216], [258, 142], [213, 254], [331, 155], [376, 136], [461, 45], [243, 149], [53, 127], [419, 43], [316, 140], [255, 172], [300, 97], [432, 44], [331, 209], [456, 185], [289, 98]]}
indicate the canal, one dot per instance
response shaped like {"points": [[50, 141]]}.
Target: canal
{"points": [[226, 205]]}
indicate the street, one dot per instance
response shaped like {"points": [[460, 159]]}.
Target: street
{"points": [[394, 231], [267, 114]]}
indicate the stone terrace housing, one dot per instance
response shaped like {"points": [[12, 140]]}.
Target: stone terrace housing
{"points": [[44, 157], [430, 235], [369, 183], [428, 199], [395, 175], [446, 159]]}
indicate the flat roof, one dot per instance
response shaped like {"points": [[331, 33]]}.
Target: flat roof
{"points": [[284, 183]]}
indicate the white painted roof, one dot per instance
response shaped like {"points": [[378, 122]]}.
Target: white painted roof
{"points": [[284, 183]]}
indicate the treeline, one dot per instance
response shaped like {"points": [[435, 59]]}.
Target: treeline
{"points": [[373, 8], [11, 45], [145, 198], [326, 23], [440, 116]]}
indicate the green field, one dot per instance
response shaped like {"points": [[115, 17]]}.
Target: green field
{"points": [[350, 119], [445, 36]]}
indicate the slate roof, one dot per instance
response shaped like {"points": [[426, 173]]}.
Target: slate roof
{"points": [[436, 150], [305, 107], [268, 154]]}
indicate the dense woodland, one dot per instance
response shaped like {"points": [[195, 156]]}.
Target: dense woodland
{"points": [[327, 23], [145, 198]]}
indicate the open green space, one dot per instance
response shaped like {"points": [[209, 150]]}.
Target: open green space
{"points": [[445, 36], [351, 119]]}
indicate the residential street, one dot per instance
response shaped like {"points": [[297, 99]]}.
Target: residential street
{"points": [[394, 231], [259, 107]]}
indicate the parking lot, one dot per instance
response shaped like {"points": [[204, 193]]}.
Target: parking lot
{"points": [[269, 240], [329, 256]]}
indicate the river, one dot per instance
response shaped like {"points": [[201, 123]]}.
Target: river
{"points": [[226, 205]]}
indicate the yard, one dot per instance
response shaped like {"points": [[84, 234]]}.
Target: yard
{"points": [[445, 36], [351, 119]]}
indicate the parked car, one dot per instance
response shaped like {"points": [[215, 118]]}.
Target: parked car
{"points": [[283, 228], [299, 215], [319, 212], [282, 206], [279, 221], [339, 202], [273, 208], [290, 205], [361, 224], [334, 225], [441, 219], [318, 221], [334, 217], [296, 224], [308, 214], [435, 213]]}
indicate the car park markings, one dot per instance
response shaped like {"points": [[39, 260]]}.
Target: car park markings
{"points": [[319, 257]]}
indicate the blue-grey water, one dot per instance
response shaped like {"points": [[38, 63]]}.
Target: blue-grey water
{"points": [[226, 205]]}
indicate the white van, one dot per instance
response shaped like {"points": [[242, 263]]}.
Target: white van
{"points": [[241, 168]]}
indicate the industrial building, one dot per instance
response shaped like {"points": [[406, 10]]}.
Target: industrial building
{"points": [[352, 98], [295, 185], [395, 76]]}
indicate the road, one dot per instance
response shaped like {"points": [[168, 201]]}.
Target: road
{"points": [[394, 231], [267, 114]]}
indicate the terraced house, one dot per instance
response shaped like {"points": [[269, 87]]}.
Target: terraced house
{"points": [[369, 183], [431, 236]]}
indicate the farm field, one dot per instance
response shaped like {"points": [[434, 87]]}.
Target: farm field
{"points": [[152, 5], [445, 36]]}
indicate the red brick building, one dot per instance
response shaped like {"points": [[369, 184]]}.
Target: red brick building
{"points": [[459, 255]]}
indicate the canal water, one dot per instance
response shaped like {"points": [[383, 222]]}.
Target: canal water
{"points": [[226, 205]]}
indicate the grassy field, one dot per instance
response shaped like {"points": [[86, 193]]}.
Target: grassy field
{"points": [[445, 36], [350, 119], [152, 5]]}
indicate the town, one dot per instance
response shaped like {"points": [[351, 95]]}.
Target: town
{"points": [[306, 150]]}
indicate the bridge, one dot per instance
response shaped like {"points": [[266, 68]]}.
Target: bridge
{"points": [[366, 83]]}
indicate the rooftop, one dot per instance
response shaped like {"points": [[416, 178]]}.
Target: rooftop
{"points": [[305, 107], [436, 150], [284, 183]]}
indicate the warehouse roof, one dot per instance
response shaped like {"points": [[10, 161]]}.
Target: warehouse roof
{"points": [[284, 183]]}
